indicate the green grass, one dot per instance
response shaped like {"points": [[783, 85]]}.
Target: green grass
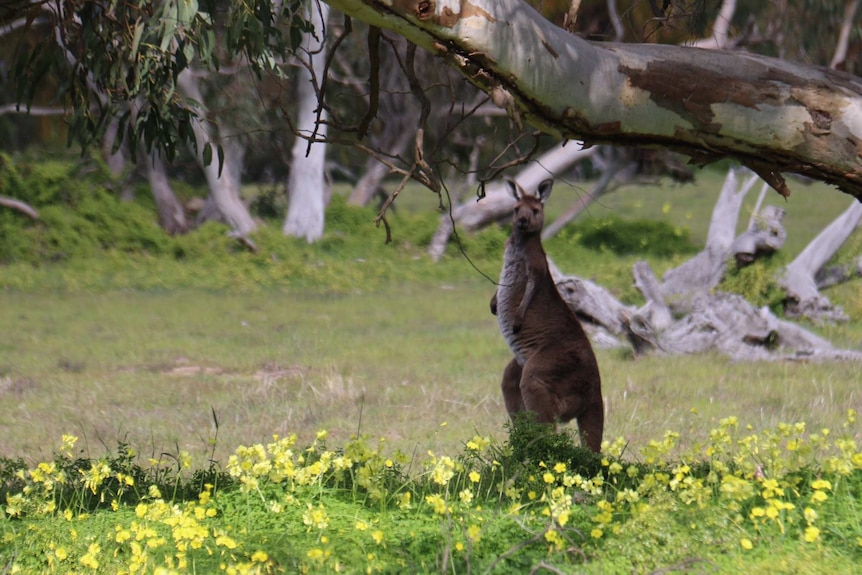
{"points": [[182, 357], [149, 368]]}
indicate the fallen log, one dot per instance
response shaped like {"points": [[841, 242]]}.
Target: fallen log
{"points": [[718, 322], [799, 280]]}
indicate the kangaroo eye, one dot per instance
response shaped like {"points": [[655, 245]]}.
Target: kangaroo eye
{"points": [[535, 211]]}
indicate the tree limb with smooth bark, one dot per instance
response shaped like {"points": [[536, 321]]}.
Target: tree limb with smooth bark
{"points": [[773, 116]]}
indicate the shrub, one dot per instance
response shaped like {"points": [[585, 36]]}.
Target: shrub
{"points": [[757, 282], [624, 237], [79, 215]]}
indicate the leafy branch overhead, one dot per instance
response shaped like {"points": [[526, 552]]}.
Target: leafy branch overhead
{"points": [[772, 115], [121, 60]]}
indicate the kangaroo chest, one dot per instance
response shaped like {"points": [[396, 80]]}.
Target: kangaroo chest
{"points": [[510, 292]]}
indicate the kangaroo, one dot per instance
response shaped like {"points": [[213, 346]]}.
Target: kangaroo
{"points": [[554, 372]]}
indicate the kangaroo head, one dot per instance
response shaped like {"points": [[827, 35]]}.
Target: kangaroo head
{"points": [[529, 213]]}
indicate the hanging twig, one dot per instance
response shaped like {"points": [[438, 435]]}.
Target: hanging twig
{"points": [[373, 80]]}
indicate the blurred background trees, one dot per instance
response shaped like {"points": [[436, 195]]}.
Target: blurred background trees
{"points": [[226, 94]]}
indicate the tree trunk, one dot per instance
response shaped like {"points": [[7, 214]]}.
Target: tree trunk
{"points": [[116, 161], [224, 188], [172, 217], [306, 185], [771, 115]]}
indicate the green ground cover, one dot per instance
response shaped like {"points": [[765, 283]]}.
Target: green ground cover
{"points": [[188, 406]]}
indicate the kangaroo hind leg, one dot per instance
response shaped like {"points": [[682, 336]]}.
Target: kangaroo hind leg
{"points": [[591, 424], [512, 388], [539, 396]]}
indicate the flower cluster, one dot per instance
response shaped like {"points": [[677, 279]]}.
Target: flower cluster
{"points": [[779, 482]]}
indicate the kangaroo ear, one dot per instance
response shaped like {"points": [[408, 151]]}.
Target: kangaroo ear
{"points": [[514, 189], [543, 192]]}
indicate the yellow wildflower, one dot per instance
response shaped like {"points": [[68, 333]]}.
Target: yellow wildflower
{"points": [[812, 534], [259, 557]]}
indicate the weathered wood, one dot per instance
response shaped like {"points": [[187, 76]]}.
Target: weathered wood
{"points": [[828, 277], [699, 275], [716, 323], [590, 302], [656, 311], [804, 298], [765, 235]]}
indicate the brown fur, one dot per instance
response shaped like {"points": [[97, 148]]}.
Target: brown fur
{"points": [[554, 372]]}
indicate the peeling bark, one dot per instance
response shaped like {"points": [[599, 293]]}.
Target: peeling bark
{"points": [[772, 115]]}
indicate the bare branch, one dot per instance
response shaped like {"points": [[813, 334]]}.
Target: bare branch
{"points": [[32, 110], [373, 80], [22, 207]]}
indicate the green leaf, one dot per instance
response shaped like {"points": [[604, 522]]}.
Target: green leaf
{"points": [[136, 40], [189, 52], [186, 11], [208, 154], [169, 24], [220, 159]]}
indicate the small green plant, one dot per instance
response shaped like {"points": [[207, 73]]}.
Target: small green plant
{"points": [[532, 442], [270, 203], [757, 282]]}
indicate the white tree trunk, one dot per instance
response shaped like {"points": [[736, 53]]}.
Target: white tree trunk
{"points": [[306, 185], [172, 217], [720, 28], [224, 189], [772, 115], [844, 36]]}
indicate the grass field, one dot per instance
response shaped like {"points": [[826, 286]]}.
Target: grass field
{"points": [[418, 366], [143, 394], [415, 358]]}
